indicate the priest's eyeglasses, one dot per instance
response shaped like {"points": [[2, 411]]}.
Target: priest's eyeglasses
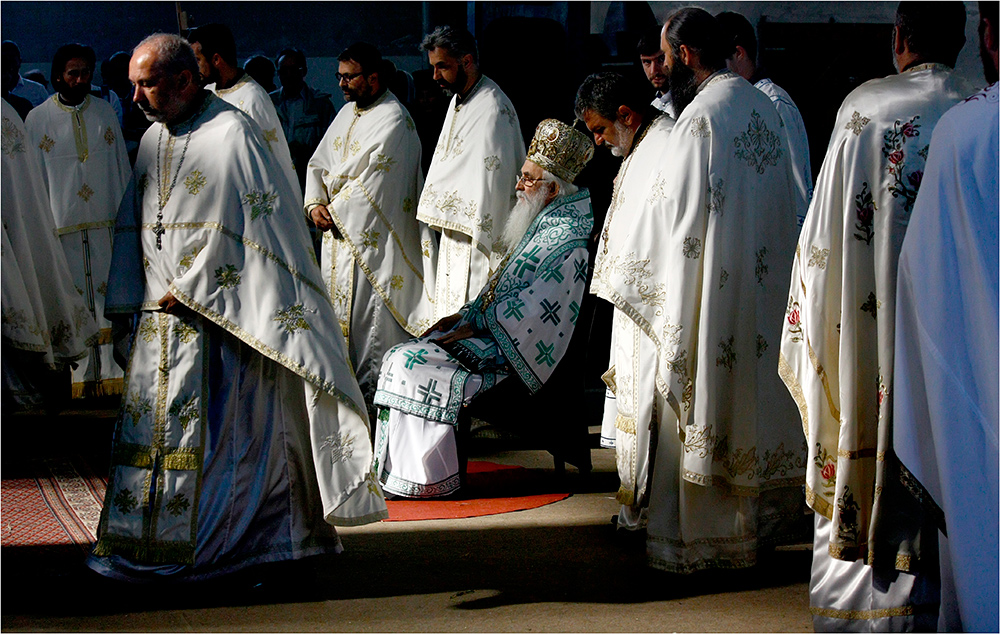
{"points": [[347, 76], [528, 182]]}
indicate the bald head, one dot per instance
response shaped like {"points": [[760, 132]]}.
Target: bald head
{"points": [[164, 71]]}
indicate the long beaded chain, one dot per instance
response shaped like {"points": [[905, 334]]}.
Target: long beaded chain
{"points": [[161, 200]]}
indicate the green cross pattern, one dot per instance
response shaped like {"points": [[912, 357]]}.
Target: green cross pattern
{"points": [[545, 354], [415, 358], [513, 309], [527, 261]]}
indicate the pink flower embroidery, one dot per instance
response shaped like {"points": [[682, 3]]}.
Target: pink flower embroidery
{"points": [[909, 130], [896, 157], [829, 471], [915, 178], [793, 317]]}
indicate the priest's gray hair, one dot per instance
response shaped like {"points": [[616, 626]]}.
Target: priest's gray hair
{"points": [[603, 93], [173, 53], [458, 42]]}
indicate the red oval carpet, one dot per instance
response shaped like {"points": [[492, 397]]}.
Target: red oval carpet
{"points": [[491, 489]]}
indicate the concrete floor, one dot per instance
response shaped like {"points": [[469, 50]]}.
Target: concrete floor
{"points": [[561, 567]]}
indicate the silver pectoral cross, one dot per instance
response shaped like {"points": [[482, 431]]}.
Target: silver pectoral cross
{"points": [[159, 231]]}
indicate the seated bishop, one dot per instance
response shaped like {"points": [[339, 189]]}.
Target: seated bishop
{"points": [[520, 324]]}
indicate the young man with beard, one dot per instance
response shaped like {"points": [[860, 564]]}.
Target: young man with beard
{"points": [[691, 264], [86, 169], [615, 111], [215, 49], [871, 551], [521, 323], [653, 65], [477, 156], [361, 191], [242, 436]]}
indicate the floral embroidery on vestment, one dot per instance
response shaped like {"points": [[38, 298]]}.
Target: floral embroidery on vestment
{"points": [[194, 182], [893, 150], [384, 162], [700, 128], [292, 319], [13, 138], [865, 208], [857, 123], [758, 146], [185, 412], [760, 270], [261, 203], [818, 257], [727, 357], [227, 276], [692, 248]]}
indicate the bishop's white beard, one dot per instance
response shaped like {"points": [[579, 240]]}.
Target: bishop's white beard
{"points": [[522, 214]]}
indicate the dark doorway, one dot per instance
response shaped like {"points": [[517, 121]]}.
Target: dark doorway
{"points": [[819, 65]]}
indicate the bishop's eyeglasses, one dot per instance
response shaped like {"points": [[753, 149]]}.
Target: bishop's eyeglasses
{"points": [[528, 182]]}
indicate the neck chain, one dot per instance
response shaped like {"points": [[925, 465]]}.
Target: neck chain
{"points": [[161, 196], [618, 182]]}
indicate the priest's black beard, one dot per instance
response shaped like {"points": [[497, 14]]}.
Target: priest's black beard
{"points": [[74, 95], [683, 87]]}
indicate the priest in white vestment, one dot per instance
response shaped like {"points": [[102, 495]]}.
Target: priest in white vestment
{"points": [[743, 62], [837, 339], [46, 324], [945, 409], [521, 323], [692, 256], [215, 49], [467, 192], [243, 435], [362, 186], [86, 169], [620, 117]]}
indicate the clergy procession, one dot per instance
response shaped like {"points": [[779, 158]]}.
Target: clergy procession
{"points": [[297, 319]]}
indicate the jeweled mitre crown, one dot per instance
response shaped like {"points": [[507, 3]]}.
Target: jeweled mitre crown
{"points": [[560, 149]]}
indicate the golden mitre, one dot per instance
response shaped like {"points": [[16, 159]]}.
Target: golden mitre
{"points": [[560, 149]]}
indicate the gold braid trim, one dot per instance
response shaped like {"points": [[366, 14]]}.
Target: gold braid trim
{"points": [[229, 233], [865, 615], [85, 225], [791, 382], [625, 424], [818, 504], [147, 553], [440, 223], [327, 386]]}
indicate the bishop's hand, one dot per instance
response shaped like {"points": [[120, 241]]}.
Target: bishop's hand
{"points": [[462, 332], [444, 324]]}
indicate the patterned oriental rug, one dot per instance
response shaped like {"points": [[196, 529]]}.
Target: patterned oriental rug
{"points": [[491, 489], [55, 503]]}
